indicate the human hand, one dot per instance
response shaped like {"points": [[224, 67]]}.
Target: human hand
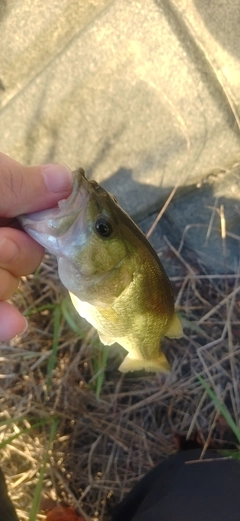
{"points": [[23, 190]]}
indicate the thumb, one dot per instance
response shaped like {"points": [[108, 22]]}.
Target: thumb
{"points": [[29, 189]]}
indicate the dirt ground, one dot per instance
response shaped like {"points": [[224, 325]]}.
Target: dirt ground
{"points": [[73, 424]]}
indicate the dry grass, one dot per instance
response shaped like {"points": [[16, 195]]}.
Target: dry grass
{"points": [[104, 445]]}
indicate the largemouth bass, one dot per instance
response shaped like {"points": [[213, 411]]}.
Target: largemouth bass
{"points": [[115, 278]]}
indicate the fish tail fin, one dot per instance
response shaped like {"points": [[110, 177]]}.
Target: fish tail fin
{"points": [[155, 365], [175, 328]]}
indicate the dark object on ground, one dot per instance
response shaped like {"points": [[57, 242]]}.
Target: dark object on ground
{"points": [[179, 491], [7, 510]]}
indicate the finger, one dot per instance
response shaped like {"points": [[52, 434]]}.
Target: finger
{"points": [[8, 284], [19, 253], [26, 189], [12, 323]]}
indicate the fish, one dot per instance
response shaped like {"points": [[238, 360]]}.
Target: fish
{"points": [[114, 276]]}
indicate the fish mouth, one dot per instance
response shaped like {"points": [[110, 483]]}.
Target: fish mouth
{"points": [[65, 208], [47, 226]]}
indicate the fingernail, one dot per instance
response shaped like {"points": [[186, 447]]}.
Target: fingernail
{"points": [[9, 251], [58, 178], [24, 327]]}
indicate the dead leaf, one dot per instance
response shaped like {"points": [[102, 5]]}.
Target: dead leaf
{"points": [[61, 513]]}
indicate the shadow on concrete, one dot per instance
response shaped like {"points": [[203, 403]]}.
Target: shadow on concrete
{"points": [[3, 9], [222, 20], [193, 222]]}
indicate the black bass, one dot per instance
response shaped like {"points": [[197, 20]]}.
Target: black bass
{"points": [[115, 278]]}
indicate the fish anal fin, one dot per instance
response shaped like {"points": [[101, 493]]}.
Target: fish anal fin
{"points": [[175, 328], [106, 340], [155, 365]]}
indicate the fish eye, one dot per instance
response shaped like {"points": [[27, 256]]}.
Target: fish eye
{"points": [[103, 227]]}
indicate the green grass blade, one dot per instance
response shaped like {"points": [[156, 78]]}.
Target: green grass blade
{"points": [[22, 431], [44, 307], [39, 486], [57, 314], [234, 454], [221, 407], [194, 327], [101, 376], [9, 421], [69, 319]]}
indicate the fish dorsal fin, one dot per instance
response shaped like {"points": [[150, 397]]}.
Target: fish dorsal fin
{"points": [[175, 328]]}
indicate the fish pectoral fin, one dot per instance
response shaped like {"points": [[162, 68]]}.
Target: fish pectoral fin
{"points": [[155, 365], [175, 329], [106, 340]]}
